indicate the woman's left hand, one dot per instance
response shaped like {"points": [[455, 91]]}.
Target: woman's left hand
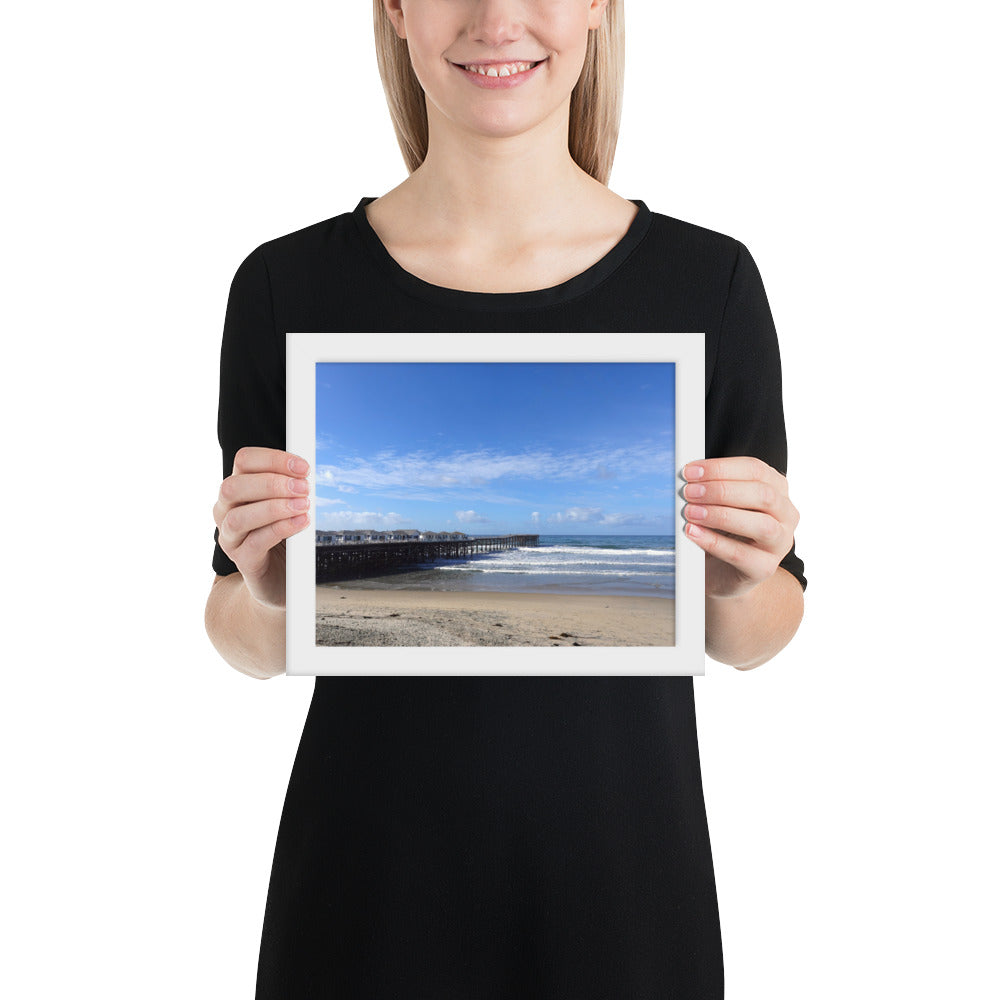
{"points": [[739, 512]]}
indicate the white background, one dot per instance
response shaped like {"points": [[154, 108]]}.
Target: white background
{"points": [[849, 782]]}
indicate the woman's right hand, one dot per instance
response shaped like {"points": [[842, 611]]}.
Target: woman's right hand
{"points": [[261, 504]]}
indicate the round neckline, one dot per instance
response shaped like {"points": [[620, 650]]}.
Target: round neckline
{"points": [[492, 301]]}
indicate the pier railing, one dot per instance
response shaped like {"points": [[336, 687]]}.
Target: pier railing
{"points": [[345, 562]]}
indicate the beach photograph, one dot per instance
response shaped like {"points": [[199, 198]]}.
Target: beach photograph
{"points": [[495, 504]]}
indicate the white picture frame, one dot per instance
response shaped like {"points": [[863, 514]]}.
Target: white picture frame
{"points": [[685, 350]]}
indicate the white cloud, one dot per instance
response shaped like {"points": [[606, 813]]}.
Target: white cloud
{"points": [[618, 519], [471, 517], [535, 515], [581, 514], [337, 519], [326, 501], [424, 470], [594, 515]]}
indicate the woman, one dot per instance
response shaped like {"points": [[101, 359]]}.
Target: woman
{"points": [[482, 837]]}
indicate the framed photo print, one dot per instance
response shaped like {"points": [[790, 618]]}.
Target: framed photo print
{"points": [[495, 503]]}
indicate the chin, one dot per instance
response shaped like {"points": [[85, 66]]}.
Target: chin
{"points": [[499, 122]]}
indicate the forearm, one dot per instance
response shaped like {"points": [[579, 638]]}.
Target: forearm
{"points": [[248, 636], [749, 630]]}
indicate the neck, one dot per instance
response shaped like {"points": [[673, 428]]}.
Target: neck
{"points": [[517, 186]]}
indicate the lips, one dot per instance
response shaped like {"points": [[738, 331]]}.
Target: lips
{"points": [[502, 69], [499, 75]]}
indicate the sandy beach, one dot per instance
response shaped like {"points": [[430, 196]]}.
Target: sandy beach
{"points": [[355, 617]]}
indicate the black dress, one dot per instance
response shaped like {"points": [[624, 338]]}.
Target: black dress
{"points": [[479, 838]]}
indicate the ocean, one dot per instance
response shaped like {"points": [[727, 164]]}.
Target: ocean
{"points": [[629, 565]]}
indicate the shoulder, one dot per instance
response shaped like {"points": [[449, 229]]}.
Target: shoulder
{"points": [[294, 270], [310, 275], [701, 246], [711, 267], [304, 246], [688, 272]]}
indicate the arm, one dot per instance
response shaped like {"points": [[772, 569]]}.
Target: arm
{"points": [[738, 509], [747, 631], [248, 635], [262, 498]]}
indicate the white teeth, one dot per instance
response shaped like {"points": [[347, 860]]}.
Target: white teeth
{"points": [[507, 69]]}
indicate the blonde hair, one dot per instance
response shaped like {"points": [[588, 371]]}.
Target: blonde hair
{"points": [[595, 105]]}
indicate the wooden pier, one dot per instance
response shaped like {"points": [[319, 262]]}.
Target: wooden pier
{"points": [[347, 562]]}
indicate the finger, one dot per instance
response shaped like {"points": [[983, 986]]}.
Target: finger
{"points": [[760, 529], [736, 493], [249, 487], [252, 555], [251, 459], [743, 468], [240, 521], [750, 561]]}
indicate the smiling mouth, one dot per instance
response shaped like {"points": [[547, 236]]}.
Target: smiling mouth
{"points": [[499, 68]]}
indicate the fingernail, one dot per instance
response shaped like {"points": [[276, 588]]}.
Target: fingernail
{"points": [[695, 491], [298, 486], [300, 520], [299, 466], [693, 472], [299, 503], [694, 531], [699, 512]]}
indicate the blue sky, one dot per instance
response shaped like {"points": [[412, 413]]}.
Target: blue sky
{"points": [[496, 448]]}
